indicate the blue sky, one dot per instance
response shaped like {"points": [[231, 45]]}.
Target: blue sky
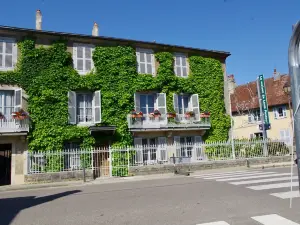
{"points": [[256, 32]]}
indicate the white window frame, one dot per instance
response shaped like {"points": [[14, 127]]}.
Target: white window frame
{"points": [[148, 150], [75, 58], [181, 66], [72, 107], [253, 117], [84, 108], [287, 139], [276, 112], [14, 53], [190, 106], [152, 63], [147, 105]]}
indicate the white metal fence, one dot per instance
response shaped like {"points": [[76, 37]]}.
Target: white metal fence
{"points": [[117, 161]]}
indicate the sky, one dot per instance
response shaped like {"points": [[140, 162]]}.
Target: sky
{"points": [[255, 32]]}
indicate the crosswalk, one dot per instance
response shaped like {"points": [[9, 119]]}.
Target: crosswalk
{"points": [[271, 219], [276, 183]]}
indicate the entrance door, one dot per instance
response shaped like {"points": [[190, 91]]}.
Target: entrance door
{"points": [[5, 164]]}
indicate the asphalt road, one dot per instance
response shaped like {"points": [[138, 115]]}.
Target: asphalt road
{"points": [[174, 201]]}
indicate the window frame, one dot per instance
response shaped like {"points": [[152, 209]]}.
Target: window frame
{"points": [[253, 116], [14, 53], [84, 59], [181, 66], [152, 63], [276, 112], [77, 115]]}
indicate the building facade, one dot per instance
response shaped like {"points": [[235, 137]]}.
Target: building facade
{"points": [[246, 113], [157, 116]]}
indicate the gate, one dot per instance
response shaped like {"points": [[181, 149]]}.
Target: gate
{"points": [[5, 164], [101, 162]]}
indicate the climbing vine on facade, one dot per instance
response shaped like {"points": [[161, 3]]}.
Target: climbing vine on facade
{"points": [[46, 75]]}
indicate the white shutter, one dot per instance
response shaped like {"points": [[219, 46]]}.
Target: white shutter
{"points": [[177, 145], [137, 102], [275, 111], [75, 56], [138, 61], [198, 153], [194, 101], [175, 103], [97, 106], [288, 137], [153, 64], [72, 107], [138, 150], [161, 103], [162, 148], [18, 99], [14, 54], [284, 111]]}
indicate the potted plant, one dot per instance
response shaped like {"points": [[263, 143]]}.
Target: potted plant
{"points": [[1, 116], [171, 115], [140, 114], [133, 114], [189, 114], [20, 115], [205, 114], [156, 113]]}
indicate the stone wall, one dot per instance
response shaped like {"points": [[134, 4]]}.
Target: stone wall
{"points": [[160, 169], [57, 177]]}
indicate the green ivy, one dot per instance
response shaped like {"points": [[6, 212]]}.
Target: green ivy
{"points": [[46, 75]]}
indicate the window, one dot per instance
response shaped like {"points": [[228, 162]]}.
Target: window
{"points": [[180, 67], [189, 146], [185, 103], [254, 117], [150, 150], [71, 156], [147, 103], [285, 136], [82, 58], [279, 112], [84, 108], [145, 61], [10, 101], [258, 135], [8, 54]]}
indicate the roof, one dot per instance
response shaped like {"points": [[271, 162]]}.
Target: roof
{"points": [[246, 97], [221, 53]]}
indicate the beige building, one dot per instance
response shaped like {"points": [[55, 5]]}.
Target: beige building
{"points": [[246, 113], [147, 130]]}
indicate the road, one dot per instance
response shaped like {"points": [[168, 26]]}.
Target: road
{"points": [[175, 201]]}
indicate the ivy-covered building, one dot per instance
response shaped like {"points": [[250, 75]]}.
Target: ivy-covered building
{"points": [[63, 90]]}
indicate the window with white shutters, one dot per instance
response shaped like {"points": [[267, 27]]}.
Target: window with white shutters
{"points": [[285, 136], [254, 116], [145, 61], [279, 112], [82, 58], [184, 103], [84, 108], [180, 65], [8, 54]]}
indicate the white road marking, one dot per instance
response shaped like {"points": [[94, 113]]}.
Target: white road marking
{"points": [[215, 223], [225, 173], [257, 176], [273, 219], [263, 180], [288, 194], [237, 175], [273, 186]]}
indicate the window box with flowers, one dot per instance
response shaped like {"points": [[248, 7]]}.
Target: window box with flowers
{"points": [[20, 115], [189, 115], [205, 114], [134, 114], [155, 114]]}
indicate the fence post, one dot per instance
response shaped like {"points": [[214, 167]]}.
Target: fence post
{"points": [[110, 161], [84, 175], [128, 161], [232, 148]]}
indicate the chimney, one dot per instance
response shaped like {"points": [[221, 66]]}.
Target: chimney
{"points": [[276, 75], [231, 83], [38, 20], [95, 31]]}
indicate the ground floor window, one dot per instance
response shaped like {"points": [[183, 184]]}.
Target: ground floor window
{"points": [[189, 147], [149, 150], [186, 146], [71, 156]]}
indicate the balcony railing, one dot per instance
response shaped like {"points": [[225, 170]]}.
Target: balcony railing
{"points": [[9, 124], [162, 122]]}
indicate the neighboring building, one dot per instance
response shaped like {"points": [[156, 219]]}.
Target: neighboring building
{"points": [[246, 112], [85, 107]]}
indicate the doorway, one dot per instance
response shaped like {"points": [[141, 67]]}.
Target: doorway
{"points": [[5, 164]]}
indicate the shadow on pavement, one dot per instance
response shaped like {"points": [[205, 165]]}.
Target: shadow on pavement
{"points": [[10, 207]]}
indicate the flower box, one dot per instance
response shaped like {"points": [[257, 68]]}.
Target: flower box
{"points": [[205, 114], [171, 115], [189, 114], [20, 115]]}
